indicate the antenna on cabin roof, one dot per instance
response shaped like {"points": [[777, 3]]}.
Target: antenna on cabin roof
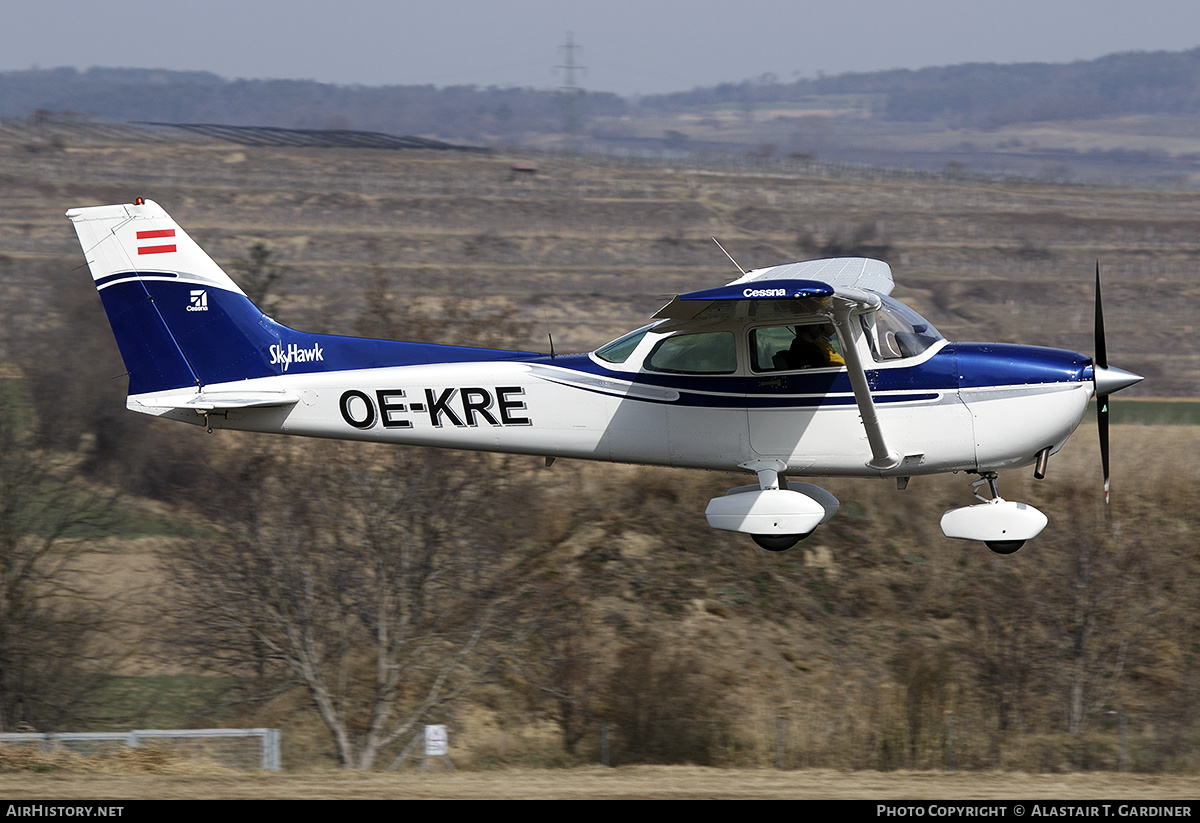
{"points": [[730, 256]]}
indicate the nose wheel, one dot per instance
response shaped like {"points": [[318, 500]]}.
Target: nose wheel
{"points": [[1001, 525], [778, 542]]}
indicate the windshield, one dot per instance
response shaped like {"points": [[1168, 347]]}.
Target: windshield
{"points": [[896, 331], [618, 351]]}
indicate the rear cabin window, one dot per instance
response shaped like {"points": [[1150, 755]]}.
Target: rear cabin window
{"points": [[700, 353]]}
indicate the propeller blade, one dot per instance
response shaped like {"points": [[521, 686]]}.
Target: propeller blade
{"points": [[1102, 425], [1106, 380], [1099, 365], [1101, 357]]}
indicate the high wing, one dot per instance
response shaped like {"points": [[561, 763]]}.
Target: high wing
{"points": [[852, 279], [846, 287], [842, 273]]}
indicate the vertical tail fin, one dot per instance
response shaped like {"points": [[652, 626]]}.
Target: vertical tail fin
{"points": [[179, 320], [182, 323]]}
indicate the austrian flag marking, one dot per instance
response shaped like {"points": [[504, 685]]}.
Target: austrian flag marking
{"points": [[153, 235]]}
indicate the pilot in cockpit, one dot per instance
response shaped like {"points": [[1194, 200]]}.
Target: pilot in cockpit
{"points": [[813, 348]]}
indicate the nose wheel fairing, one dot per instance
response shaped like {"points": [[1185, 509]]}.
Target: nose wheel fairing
{"points": [[999, 523], [1002, 525]]}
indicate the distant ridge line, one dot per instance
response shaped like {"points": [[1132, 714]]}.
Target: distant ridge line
{"points": [[312, 138]]}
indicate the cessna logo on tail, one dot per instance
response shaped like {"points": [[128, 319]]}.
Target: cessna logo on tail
{"points": [[198, 300], [285, 357]]}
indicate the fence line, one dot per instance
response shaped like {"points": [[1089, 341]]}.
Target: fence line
{"points": [[219, 744]]}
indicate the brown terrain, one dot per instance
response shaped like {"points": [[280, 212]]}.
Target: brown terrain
{"points": [[859, 636], [586, 248], [597, 783]]}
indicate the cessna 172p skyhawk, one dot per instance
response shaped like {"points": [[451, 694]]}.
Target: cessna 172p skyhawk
{"points": [[804, 369]]}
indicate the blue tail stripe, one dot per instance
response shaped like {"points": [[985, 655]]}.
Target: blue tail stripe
{"points": [[152, 356], [175, 334], [104, 281]]}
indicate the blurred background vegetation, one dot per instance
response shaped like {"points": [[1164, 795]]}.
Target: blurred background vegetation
{"points": [[584, 594]]}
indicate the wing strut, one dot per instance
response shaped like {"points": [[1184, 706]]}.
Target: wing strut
{"points": [[847, 304]]}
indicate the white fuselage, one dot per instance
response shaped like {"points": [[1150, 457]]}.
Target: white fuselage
{"points": [[542, 408]]}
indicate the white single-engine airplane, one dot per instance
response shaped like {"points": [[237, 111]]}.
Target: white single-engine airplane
{"points": [[804, 369]]}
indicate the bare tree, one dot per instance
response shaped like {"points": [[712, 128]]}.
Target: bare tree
{"points": [[1102, 592], [385, 582], [50, 623], [1006, 649], [463, 321], [563, 670], [258, 273]]}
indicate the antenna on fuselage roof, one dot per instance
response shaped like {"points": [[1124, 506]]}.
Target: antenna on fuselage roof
{"points": [[730, 256]]}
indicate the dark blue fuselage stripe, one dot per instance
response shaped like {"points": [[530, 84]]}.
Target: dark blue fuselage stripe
{"points": [[957, 365], [230, 339], [742, 401], [104, 281]]}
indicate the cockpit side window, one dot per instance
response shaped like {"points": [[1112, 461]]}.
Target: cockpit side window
{"points": [[700, 353], [789, 348], [895, 331]]}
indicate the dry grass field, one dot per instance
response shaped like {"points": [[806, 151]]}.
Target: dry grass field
{"points": [[833, 635], [596, 783]]}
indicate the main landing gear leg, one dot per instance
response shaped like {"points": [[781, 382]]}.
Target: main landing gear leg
{"points": [[990, 479]]}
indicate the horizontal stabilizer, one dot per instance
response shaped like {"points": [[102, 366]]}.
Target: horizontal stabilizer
{"points": [[217, 401]]}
